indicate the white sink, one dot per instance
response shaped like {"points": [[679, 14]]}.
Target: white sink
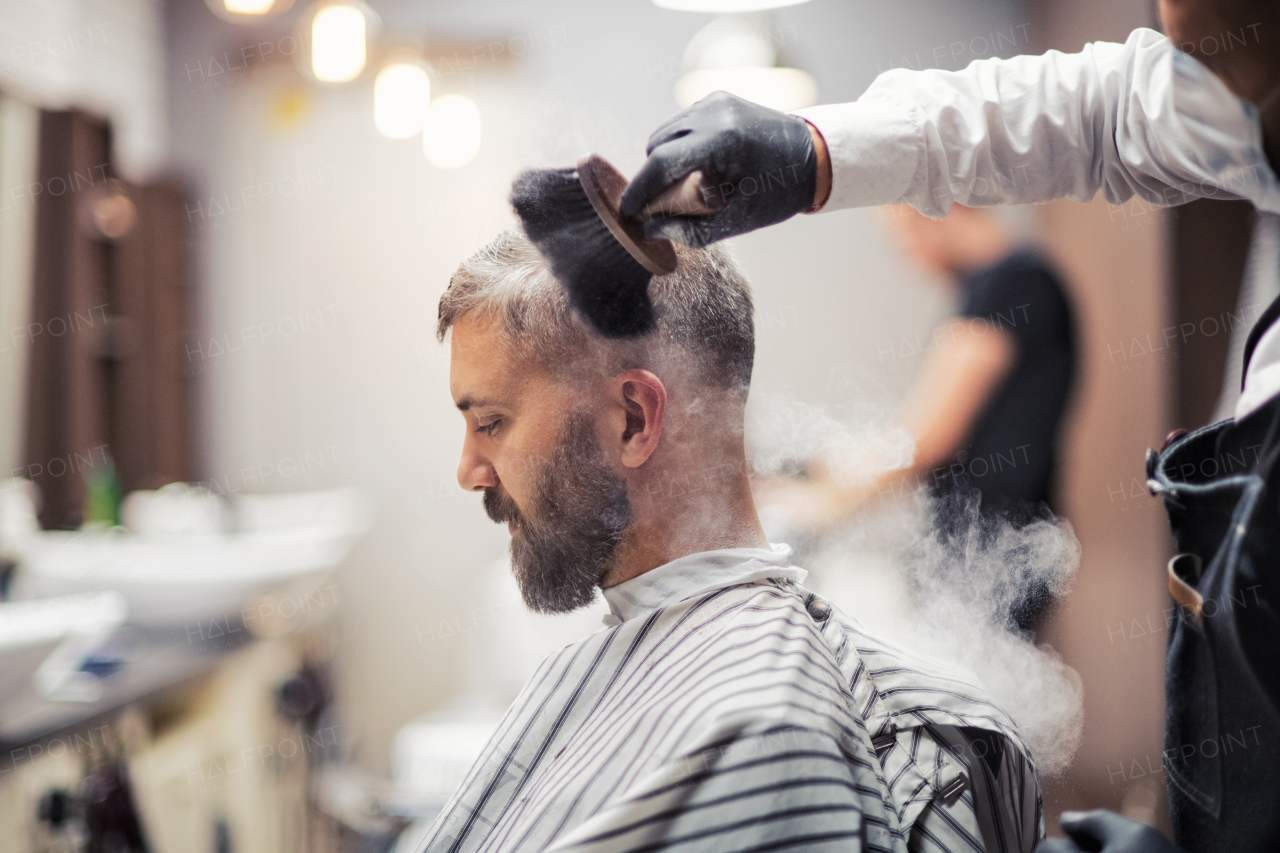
{"points": [[283, 544]]}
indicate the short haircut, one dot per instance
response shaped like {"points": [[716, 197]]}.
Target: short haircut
{"points": [[703, 311]]}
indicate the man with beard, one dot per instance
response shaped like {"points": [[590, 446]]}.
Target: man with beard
{"points": [[724, 707]]}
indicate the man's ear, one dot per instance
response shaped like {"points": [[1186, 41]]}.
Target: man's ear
{"points": [[644, 402]]}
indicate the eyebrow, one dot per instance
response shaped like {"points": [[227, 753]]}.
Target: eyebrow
{"points": [[468, 402]]}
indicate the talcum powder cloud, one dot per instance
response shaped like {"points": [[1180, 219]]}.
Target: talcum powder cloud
{"points": [[943, 591]]}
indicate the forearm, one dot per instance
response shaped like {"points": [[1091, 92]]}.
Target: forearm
{"points": [[1122, 119]]}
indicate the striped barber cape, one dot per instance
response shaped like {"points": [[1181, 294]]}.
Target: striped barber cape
{"points": [[726, 708]]}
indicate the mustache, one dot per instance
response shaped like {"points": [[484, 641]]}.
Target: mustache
{"points": [[500, 508]]}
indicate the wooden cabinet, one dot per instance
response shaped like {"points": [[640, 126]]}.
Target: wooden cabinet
{"points": [[107, 372]]}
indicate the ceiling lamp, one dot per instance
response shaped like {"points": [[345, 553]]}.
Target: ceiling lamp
{"points": [[248, 7], [247, 11], [451, 135], [401, 97], [735, 54], [338, 34], [725, 6]]}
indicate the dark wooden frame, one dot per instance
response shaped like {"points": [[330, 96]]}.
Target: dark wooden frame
{"points": [[107, 371]]}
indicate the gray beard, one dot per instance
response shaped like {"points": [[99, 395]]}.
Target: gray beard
{"points": [[567, 543]]}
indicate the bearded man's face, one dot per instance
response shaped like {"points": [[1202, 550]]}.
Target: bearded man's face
{"points": [[543, 472]]}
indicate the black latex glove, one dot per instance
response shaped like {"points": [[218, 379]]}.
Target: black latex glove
{"points": [[1102, 831], [759, 163]]}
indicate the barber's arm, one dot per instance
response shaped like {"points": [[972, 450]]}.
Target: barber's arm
{"points": [[955, 383], [1128, 119]]}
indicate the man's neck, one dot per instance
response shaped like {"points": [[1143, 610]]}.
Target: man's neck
{"points": [[689, 518]]}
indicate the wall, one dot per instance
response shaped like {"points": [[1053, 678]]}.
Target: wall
{"points": [[19, 129], [104, 56]]}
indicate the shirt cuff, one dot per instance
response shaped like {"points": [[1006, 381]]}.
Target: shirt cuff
{"points": [[874, 148]]}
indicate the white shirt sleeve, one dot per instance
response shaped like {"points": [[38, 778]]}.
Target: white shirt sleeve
{"points": [[1139, 118]]}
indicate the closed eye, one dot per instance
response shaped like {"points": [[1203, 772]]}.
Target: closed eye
{"points": [[488, 429]]}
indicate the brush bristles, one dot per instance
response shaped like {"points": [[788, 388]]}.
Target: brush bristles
{"points": [[605, 283]]}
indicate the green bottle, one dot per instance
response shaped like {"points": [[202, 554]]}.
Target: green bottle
{"points": [[102, 495]]}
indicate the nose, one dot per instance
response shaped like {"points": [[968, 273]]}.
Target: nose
{"points": [[475, 471]]}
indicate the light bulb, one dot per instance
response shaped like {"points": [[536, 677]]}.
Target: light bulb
{"points": [[248, 7], [337, 43], [401, 97], [247, 11], [451, 136]]}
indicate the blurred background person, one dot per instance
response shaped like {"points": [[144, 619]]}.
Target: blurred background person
{"points": [[986, 407]]}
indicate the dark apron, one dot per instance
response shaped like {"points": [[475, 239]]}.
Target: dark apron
{"points": [[1221, 490]]}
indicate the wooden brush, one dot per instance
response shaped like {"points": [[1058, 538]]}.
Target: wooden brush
{"points": [[602, 258]]}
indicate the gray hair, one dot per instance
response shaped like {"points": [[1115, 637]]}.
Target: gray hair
{"points": [[703, 312]]}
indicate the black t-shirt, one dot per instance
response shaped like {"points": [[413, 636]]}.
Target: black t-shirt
{"points": [[1009, 453]]}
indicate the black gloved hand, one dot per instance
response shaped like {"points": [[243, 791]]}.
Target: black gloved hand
{"points": [[1102, 831], [759, 164]]}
